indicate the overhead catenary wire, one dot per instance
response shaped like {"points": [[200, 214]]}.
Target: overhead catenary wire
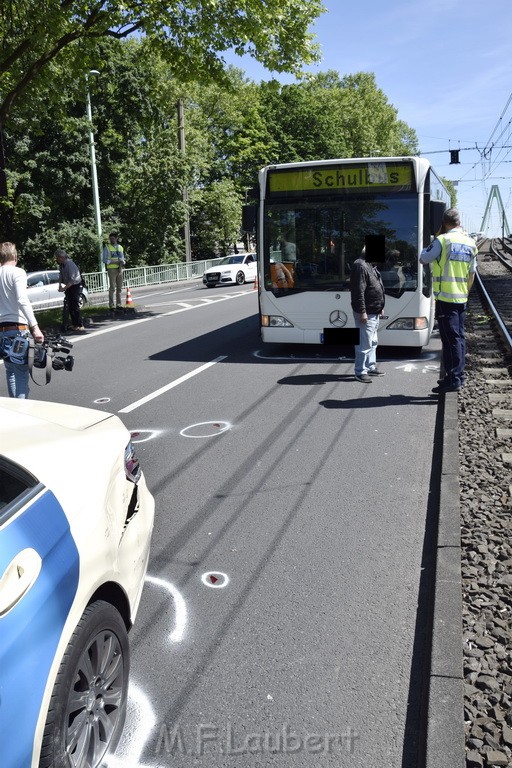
{"points": [[496, 151]]}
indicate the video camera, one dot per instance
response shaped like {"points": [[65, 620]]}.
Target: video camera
{"points": [[51, 346]]}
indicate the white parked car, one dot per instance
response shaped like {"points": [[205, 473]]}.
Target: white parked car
{"points": [[43, 289], [239, 269], [75, 527]]}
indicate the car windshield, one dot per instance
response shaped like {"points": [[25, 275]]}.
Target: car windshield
{"points": [[232, 260]]}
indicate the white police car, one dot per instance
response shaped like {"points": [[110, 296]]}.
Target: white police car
{"points": [[75, 526], [239, 269]]}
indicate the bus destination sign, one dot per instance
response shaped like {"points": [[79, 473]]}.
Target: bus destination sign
{"points": [[369, 177]]}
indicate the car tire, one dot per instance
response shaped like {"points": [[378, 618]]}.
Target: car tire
{"points": [[240, 278], [82, 301], [88, 704], [211, 285]]}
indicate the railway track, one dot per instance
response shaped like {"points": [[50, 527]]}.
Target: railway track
{"points": [[495, 284], [485, 453]]}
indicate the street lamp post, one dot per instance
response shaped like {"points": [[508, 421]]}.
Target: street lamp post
{"points": [[181, 145], [94, 175]]}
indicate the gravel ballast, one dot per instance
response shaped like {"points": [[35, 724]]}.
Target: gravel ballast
{"points": [[485, 446]]}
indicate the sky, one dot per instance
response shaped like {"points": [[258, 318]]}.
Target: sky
{"points": [[445, 65]]}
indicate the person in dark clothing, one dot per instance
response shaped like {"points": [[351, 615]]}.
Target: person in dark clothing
{"points": [[70, 282], [367, 300]]}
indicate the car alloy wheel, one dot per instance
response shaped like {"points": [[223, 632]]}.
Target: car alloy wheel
{"points": [[240, 278], [88, 705]]}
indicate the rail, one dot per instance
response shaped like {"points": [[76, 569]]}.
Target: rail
{"points": [[136, 277], [502, 251], [502, 329]]}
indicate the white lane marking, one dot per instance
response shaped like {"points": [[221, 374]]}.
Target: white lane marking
{"points": [[407, 368], [171, 385], [203, 300], [164, 293], [131, 323]]}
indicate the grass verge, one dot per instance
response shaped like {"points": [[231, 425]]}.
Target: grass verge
{"points": [[52, 318]]}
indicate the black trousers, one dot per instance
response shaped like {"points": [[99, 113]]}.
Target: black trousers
{"points": [[73, 301]]}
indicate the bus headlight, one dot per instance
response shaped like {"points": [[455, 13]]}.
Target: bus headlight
{"points": [[275, 321], [408, 324]]}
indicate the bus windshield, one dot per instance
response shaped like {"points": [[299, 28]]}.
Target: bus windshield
{"points": [[311, 244]]}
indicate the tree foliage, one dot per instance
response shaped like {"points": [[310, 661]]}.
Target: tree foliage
{"points": [[232, 129], [190, 35], [327, 116], [215, 220]]}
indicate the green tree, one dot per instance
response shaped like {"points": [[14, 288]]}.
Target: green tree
{"points": [[135, 129], [227, 131], [44, 42], [191, 36], [232, 129], [370, 122], [216, 217], [49, 186], [450, 186], [326, 116]]}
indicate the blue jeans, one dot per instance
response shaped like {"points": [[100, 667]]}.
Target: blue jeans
{"points": [[366, 350], [16, 373], [450, 321]]}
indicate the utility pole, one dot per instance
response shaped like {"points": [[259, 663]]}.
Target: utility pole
{"points": [[181, 145]]}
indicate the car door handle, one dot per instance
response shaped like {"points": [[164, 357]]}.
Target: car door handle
{"points": [[18, 577]]}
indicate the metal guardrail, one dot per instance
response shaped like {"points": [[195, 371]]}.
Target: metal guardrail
{"points": [[137, 277]]}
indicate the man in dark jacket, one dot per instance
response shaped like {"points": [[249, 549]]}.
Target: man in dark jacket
{"points": [[70, 282], [367, 299]]}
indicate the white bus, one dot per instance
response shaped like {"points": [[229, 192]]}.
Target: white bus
{"points": [[312, 221]]}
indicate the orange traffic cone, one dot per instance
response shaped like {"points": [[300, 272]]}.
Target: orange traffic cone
{"points": [[255, 286], [129, 301]]}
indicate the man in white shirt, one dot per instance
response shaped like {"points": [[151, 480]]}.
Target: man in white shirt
{"points": [[16, 318]]}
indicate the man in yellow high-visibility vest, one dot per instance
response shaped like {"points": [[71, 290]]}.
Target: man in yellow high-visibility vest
{"points": [[114, 260], [452, 255]]}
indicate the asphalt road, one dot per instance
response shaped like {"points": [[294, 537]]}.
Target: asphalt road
{"points": [[283, 620]]}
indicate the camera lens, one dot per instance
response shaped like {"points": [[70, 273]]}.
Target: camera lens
{"points": [[69, 363]]}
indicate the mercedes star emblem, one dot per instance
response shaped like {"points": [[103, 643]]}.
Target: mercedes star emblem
{"points": [[338, 318]]}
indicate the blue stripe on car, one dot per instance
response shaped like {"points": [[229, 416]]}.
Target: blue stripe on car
{"points": [[31, 630]]}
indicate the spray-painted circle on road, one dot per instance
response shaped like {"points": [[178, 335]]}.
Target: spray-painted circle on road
{"points": [[102, 400], [143, 435], [215, 579], [206, 429]]}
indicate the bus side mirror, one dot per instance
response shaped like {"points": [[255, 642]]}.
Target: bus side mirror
{"points": [[437, 208], [249, 215]]}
